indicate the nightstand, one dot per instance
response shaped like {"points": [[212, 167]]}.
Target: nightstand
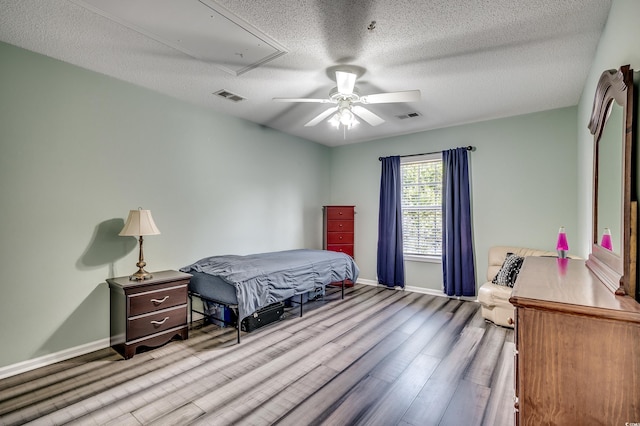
{"points": [[148, 313]]}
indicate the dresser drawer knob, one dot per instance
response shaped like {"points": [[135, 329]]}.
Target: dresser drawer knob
{"points": [[340, 238], [160, 322], [159, 301], [510, 321], [340, 225]]}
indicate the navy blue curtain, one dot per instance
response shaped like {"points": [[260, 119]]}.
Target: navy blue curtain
{"points": [[458, 268], [390, 258]]}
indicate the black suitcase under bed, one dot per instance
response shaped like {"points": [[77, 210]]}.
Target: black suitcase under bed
{"points": [[262, 317]]}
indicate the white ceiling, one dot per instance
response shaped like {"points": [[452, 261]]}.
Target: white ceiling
{"points": [[472, 60]]}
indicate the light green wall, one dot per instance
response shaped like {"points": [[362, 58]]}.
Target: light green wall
{"points": [[78, 150], [523, 176], [619, 45]]}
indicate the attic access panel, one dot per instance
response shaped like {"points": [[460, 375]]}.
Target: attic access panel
{"points": [[199, 28]]}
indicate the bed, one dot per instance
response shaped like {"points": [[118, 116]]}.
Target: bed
{"points": [[249, 283]]}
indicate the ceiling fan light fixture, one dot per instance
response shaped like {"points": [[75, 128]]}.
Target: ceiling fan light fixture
{"points": [[335, 120], [346, 117]]}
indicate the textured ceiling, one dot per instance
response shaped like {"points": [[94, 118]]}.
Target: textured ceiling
{"points": [[472, 60]]}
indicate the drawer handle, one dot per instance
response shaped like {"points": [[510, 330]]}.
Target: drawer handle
{"points": [[340, 238], [160, 322], [158, 301], [510, 321], [340, 225], [339, 212]]}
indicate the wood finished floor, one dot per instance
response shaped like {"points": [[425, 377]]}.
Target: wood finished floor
{"points": [[378, 357]]}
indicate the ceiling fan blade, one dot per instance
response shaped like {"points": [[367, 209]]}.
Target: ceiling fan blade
{"points": [[312, 100], [346, 81], [390, 97], [367, 115], [318, 118]]}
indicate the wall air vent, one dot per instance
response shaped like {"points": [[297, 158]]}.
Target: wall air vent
{"points": [[228, 95], [409, 115]]}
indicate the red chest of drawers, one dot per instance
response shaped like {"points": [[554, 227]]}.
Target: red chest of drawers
{"points": [[338, 229]]}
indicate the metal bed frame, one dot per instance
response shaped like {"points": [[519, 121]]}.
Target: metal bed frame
{"points": [[235, 308]]}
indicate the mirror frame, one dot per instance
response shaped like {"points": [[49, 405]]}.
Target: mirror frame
{"points": [[618, 272]]}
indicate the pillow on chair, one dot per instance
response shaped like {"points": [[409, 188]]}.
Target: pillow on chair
{"points": [[509, 271]]}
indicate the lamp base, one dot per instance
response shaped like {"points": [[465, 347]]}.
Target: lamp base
{"points": [[141, 275]]}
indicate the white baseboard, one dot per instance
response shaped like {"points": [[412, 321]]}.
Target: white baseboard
{"points": [[421, 290], [407, 288], [366, 282], [43, 361]]}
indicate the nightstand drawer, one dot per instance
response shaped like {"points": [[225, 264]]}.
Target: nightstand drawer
{"points": [[156, 322], [149, 301]]}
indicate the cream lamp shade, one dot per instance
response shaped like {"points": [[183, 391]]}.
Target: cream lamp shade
{"points": [[140, 223]]}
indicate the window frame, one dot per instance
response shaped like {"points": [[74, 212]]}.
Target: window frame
{"points": [[419, 159]]}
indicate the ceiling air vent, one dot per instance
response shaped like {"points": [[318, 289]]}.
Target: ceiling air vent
{"points": [[230, 96], [409, 115]]}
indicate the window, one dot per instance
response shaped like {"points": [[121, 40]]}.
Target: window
{"points": [[422, 206]]}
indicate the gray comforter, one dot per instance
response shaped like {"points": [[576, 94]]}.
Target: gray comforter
{"points": [[266, 278]]}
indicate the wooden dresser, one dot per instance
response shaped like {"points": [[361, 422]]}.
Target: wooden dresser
{"points": [[338, 228], [577, 359], [148, 313], [338, 231]]}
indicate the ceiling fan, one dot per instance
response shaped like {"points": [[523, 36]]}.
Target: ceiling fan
{"points": [[345, 96]]}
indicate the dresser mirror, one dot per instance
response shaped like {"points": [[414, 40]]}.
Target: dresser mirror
{"points": [[613, 248], [610, 184]]}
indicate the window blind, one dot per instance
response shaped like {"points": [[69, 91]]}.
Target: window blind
{"points": [[422, 207]]}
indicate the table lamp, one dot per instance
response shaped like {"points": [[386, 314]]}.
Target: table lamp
{"points": [[139, 223]]}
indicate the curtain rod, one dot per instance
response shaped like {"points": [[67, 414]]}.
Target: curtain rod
{"points": [[468, 148]]}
